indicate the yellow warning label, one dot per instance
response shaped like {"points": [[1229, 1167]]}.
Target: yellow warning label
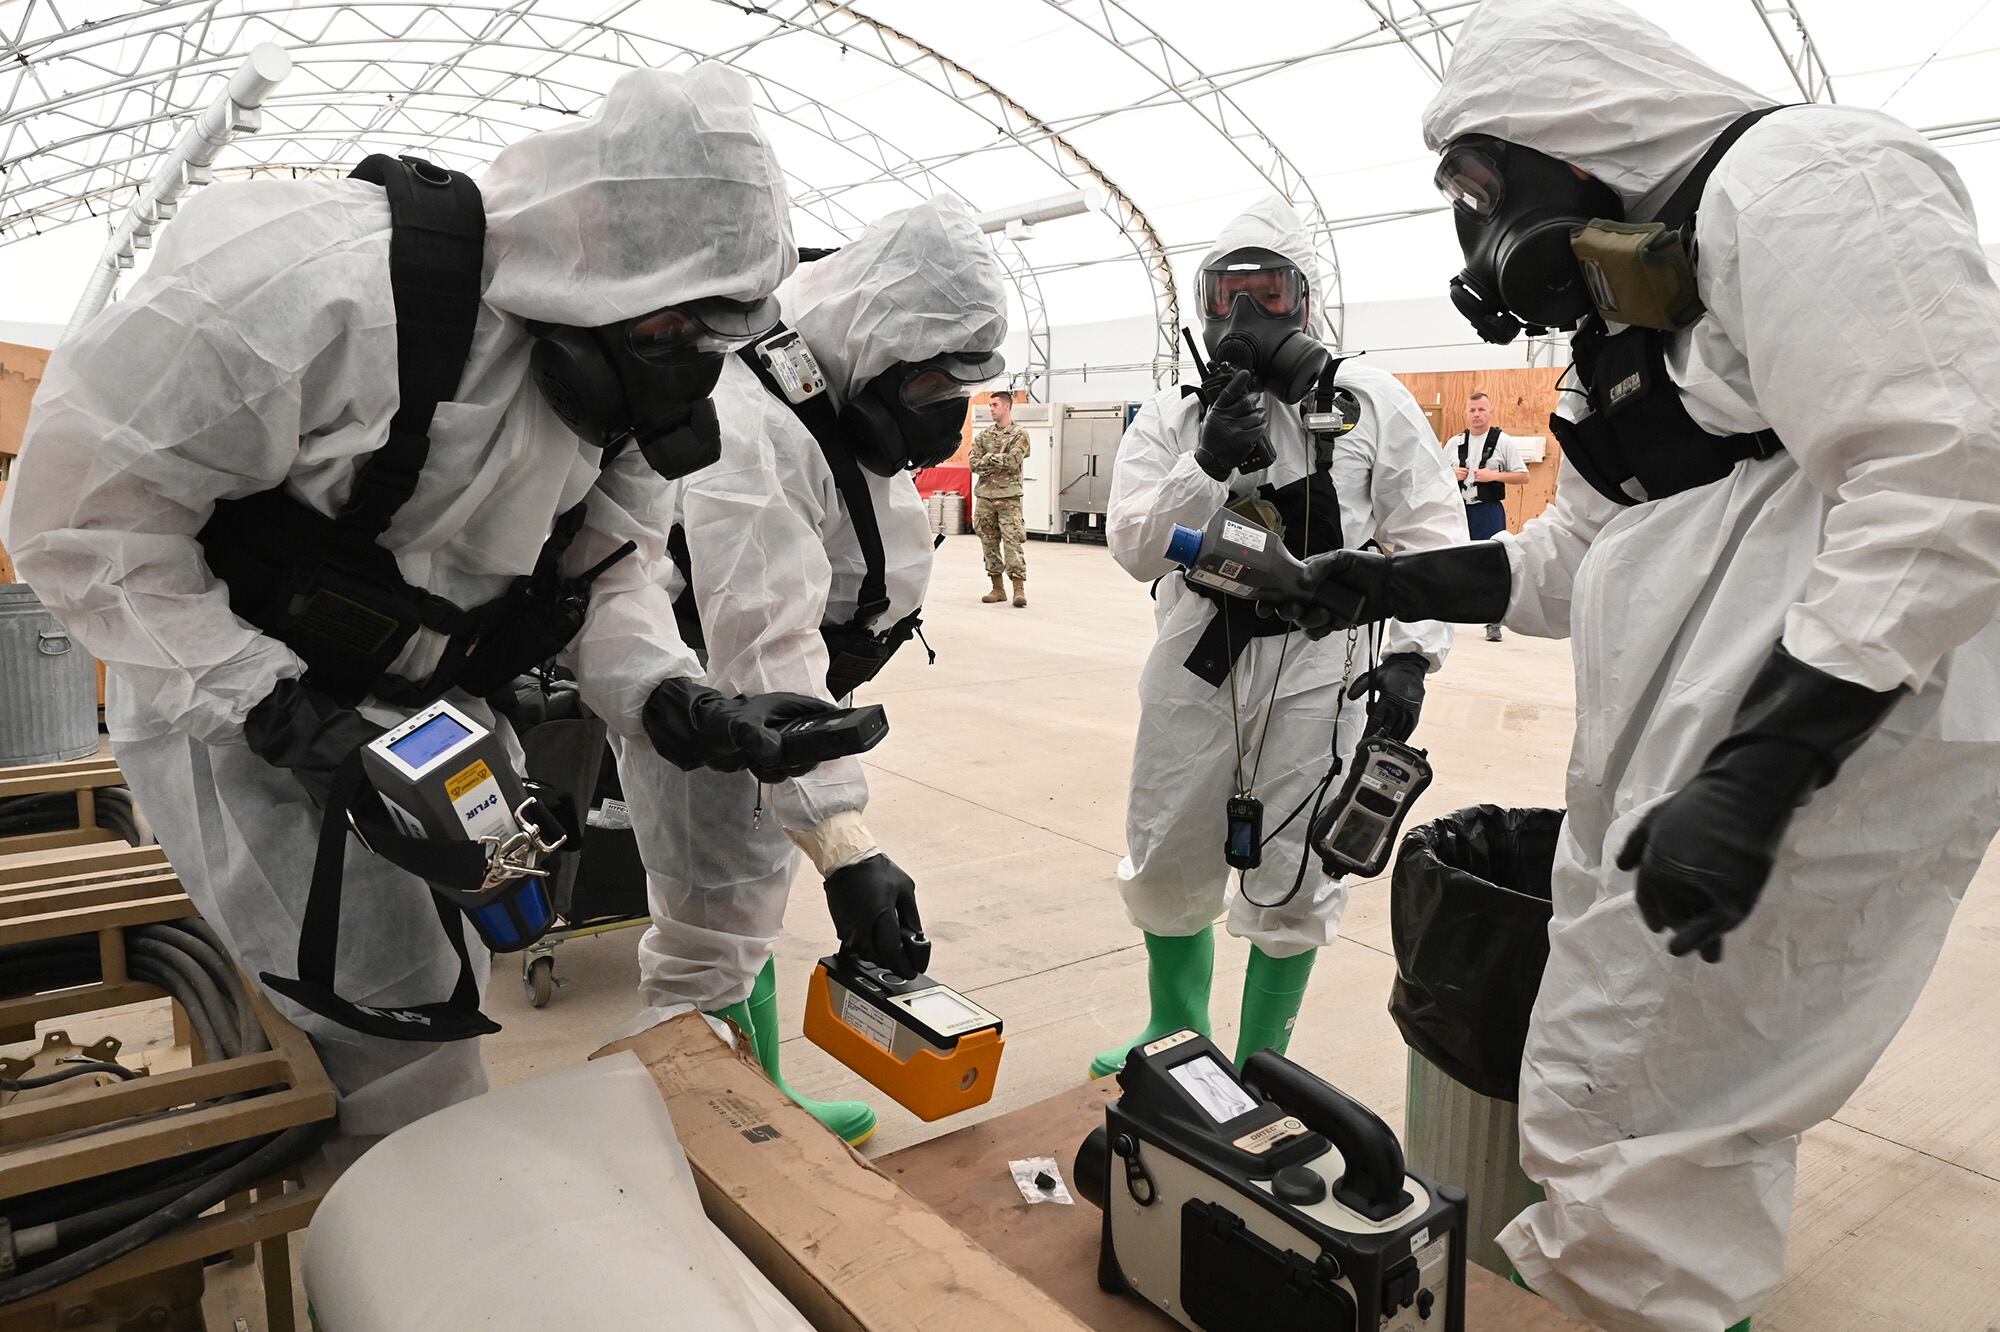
{"points": [[468, 777]]}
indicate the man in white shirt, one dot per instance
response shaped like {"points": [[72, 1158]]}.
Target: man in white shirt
{"points": [[1488, 462]]}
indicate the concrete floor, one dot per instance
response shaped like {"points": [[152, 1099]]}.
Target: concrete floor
{"points": [[1001, 790]]}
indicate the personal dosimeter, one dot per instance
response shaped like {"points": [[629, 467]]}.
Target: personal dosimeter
{"points": [[442, 775], [1357, 833], [832, 735], [924, 1044]]}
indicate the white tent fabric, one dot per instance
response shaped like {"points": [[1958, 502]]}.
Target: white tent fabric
{"points": [[1188, 110]]}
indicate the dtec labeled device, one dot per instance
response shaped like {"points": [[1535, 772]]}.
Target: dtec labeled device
{"points": [[1266, 1201], [443, 775], [929, 1047]]}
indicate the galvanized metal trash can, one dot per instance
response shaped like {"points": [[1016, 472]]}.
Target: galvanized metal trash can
{"points": [[48, 685], [1469, 909]]}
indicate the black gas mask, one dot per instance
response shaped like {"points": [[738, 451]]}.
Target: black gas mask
{"points": [[648, 379], [912, 415], [1254, 308], [1515, 210]]}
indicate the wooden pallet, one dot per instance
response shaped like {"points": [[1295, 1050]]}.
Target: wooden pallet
{"points": [[100, 891], [85, 777]]}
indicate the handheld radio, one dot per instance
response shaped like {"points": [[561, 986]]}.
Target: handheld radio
{"points": [[442, 775], [1215, 376], [927, 1046], [1357, 833]]}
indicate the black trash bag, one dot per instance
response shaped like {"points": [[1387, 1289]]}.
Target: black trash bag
{"points": [[1469, 906]]}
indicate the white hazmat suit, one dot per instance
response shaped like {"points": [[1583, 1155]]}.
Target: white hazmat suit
{"points": [[1394, 486], [773, 556], [260, 350], [1851, 311]]}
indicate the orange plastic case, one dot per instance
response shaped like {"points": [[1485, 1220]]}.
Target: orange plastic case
{"points": [[930, 1084]]}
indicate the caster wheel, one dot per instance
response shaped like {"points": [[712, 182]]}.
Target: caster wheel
{"points": [[540, 982]]}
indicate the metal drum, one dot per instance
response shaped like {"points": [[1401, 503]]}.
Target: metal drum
{"points": [[48, 685]]}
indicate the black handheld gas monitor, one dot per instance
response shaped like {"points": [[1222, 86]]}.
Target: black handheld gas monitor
{"points": [[1357, 833], [832, 735]]}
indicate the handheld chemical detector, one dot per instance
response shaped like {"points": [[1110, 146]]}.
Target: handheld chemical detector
{"points": [[931, 1049], [1266, 1199], [442, 775], [832, 735], [1238, 557], [1357, 833]]}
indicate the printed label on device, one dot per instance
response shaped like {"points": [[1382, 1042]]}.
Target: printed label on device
{"points": [[1243, 535], [793, 365], [1264, 1139], [867, 1019], [475, 798]]}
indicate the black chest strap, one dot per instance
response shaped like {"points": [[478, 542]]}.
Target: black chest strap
{"points": [[437, 243]]}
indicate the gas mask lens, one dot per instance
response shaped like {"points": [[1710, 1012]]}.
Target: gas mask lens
{"points": [[929, 388], [1279, 292], [1471, 181], [712, 327]]}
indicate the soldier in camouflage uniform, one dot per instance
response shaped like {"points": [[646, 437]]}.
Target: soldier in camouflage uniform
{"points": [[997, 455]]}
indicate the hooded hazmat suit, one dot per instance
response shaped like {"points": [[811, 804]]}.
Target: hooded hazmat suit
{"points": [[1394, 486], [1850, 310], [773, 556], [260, 350]]}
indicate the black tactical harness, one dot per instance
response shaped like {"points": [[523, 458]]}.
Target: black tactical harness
{"points": [[1484, 492], [1639, 443], [326, 587], [855, 653]]}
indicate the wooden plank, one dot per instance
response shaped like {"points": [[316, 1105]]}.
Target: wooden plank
{"points": [[50, 840], [20, 902], [47, 1164], [308, 1074], [963, 1176], [88, 920], [25, 1121], [70, 876], [75, 775], [23, 904], [85, 859], [29, 1009]]}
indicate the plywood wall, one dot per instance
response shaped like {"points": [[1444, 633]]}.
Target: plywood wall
{"points": [[20, 375], [1522, 401]]}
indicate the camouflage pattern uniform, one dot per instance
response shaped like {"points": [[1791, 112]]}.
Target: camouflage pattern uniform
{"points": [[997, 455]]}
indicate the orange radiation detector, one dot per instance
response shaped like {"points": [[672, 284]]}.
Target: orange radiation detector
{"points": [[924, 1044]]}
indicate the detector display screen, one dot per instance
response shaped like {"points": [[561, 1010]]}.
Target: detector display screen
{"points": [[1213, 1088], [942, 1010], [422, 746]]}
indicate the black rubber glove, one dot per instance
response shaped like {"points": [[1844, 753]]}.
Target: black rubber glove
{"points": [[693, 726], [1233, 428], [1469, 584], [1398, 682], [306, 733], [874, 910], [1704, 853]]}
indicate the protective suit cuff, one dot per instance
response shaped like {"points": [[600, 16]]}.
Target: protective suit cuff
{"points": [[835, 843]]}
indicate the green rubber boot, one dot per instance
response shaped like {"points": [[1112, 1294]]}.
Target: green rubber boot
{"points": [[1179, 970], [1273, 988], [758, 1016]]}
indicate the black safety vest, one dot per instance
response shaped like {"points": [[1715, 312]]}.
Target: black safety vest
{"points": [[1487, 492], [855, 653], [325, 586], [1639, 443]]}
